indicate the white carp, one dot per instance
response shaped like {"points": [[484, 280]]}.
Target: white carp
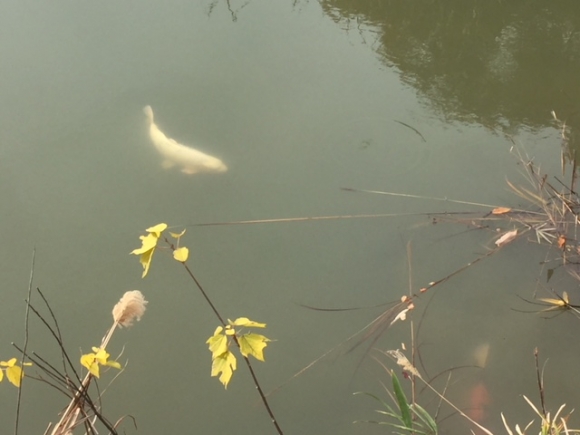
{"points": [[189, 159]]}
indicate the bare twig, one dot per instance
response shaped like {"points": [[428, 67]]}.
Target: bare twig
{"points": [[540, 378], [24, 347]]}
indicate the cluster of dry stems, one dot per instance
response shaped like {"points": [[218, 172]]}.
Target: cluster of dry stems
{"points": [[81, 411]]}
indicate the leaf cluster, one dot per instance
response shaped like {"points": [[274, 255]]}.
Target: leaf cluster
{"points": [[149, 245], [98, 357], [223, 360]]}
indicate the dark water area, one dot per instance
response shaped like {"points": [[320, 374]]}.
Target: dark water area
{"points": [[317, 109]]}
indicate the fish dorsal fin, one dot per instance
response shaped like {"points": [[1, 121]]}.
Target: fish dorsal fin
{"points": [[174, 142]]}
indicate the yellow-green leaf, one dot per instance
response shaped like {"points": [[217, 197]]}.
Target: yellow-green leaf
{"points": [[177, 235], [218, 344], [148, 245], [226, 365], [87, 360], [101, 356], [8, 363], [113, 364], [253, 344], [148, 242], [181, 254], [145, 261], [157, 229], [244, 321], [94, 369], [14, 375]]}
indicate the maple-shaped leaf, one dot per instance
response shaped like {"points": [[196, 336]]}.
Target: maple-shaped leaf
{"points": [[253, 344], [218, 343], [244, 321], [226, 365]]}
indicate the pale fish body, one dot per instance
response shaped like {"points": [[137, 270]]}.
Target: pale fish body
{"points": [[189, 159]]}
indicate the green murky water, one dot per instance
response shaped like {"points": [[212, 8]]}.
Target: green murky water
{"points": [[299, 99]]}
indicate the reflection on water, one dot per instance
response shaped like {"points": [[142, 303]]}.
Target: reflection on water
{"points": [[504, 65], [299, 100]]}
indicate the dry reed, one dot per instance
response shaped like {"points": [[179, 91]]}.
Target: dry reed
{"points": [[130, 307]]}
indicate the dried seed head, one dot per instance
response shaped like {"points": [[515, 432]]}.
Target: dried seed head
{"points": [[129, 308], [403, 361]]}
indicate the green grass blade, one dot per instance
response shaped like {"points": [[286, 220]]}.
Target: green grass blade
{"points": [[377, 398], [389, 411], [398, 426], [425, 417], [402, 402]]}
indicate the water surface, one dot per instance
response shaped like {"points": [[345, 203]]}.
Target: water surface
{"points": [[299, 100]]}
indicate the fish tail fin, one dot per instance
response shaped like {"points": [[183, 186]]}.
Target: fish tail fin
{"points": [[149, 113]]}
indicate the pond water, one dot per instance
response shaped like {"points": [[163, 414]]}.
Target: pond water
{"points": [[300, 100]]}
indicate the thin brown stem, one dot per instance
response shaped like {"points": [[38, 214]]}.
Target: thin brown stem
{"points": [[261, 392], [540, 381], [248, 363], [206, 297]]}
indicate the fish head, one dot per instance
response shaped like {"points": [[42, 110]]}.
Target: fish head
{"points": [[216, 165]]}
